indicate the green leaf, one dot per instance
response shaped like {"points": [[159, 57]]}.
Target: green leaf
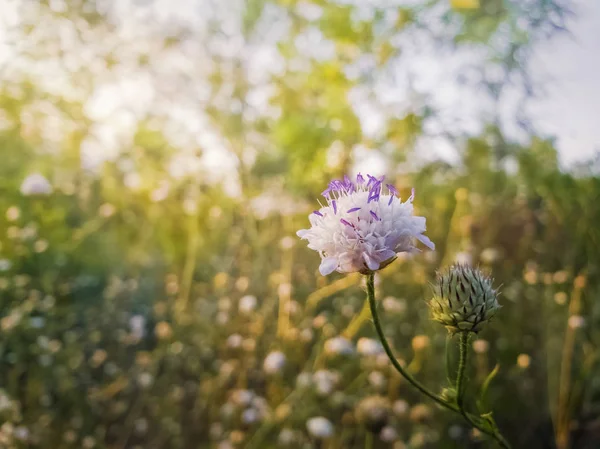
{"points": [[481, 402]]}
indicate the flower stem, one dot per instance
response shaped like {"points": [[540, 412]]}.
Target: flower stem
{"points": [[475, 421]]}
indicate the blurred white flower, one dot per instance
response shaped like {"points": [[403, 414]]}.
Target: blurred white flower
{"points": [[37, 322], [225, 445], [576, 321], [242, 397], [36, 184], [250, 416], [107, 210], [190, 206], [388, 434], [287, 242], [306, 335], [273, 202], [235, 341], [133, 181], [394, 305], [339, 346], [304, 380], [5, 264], [377, 380], [13, 213], [463, 258], [247, 304], [325, 382], [284, 289], [480, 346], [161, 192], [40, 246], [5, 402], [287, 437], [274, 362], [137, 324], [222, 318], [400, 407], [216, 430], [145, 380], [489, 255], [21, 433], [361, 228], [368, 346], [319, 427]]}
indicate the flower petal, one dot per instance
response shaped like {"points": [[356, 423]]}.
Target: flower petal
{"points": [[386, 254], [328, 265], [426, 241], [372, 264], [302, 232]]}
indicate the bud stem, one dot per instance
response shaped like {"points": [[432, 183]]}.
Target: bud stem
{"points": [[462, 366]]}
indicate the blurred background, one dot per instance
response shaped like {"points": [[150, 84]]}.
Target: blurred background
{"points": [[157, 158]]}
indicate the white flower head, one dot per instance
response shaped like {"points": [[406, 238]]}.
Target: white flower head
{"points": [[339, 346], [274, 362], [362, 228], [369, 346], [319, 427], [247, 304], [36, 184]]}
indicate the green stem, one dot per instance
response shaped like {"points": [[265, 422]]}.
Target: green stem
{"points": [[369, 440], [462, 365], [474, 421]]}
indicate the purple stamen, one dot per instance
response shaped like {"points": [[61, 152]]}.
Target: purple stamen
{"points": [[334, 205], [335, 185], [392, 189], [348, 184], [354, 209], [374, 215], [359, 179], [316, 212], [372, 180], [412, 195], [347, 223], [374, 192], [391, 199], [326, 192]]}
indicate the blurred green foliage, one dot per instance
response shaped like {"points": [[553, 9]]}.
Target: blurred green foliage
{"points": [[127, 314]]}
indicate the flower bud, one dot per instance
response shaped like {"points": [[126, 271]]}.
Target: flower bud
{"points": [[463, 299]]}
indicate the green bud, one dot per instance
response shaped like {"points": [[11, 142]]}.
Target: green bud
{"points": [[449, 395], [463, 300]]}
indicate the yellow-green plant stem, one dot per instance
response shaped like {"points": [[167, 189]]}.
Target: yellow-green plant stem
{"points": [[369, 440], [473, 420]]}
